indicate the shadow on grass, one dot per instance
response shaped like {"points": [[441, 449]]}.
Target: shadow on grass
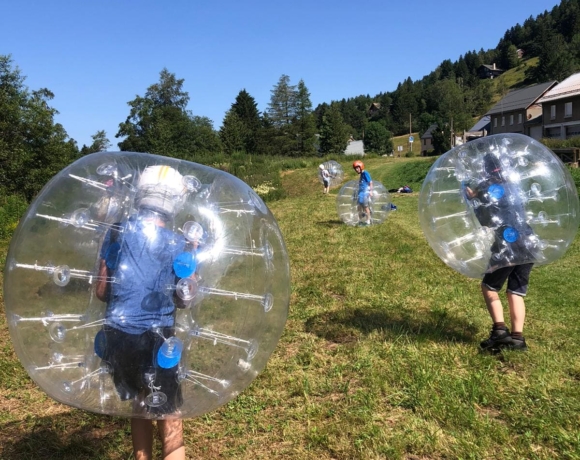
{"points": [[65, 436], [349, 325], [330, 223]]}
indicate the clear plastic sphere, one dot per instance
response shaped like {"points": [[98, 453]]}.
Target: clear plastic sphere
{"points": [[332, 171], [498, 201], [350, 204], [145, 286]]}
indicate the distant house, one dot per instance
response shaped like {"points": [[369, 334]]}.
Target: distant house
{"points": [[489, 71], [427, 139], [374, 109], [355, 148], [479, 129], [561, 109], [516, 107]]}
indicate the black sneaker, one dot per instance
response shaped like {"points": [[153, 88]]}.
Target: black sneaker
{"points": [[517, 344], [498, 338]]}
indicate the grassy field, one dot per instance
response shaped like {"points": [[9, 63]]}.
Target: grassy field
{"points": [[404, 141], [379, 359]]}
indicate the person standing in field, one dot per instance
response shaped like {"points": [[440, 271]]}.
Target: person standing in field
{"points": [[365, 188]]}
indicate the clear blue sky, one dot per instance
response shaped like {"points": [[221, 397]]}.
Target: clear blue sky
{"points": [[96, 55]]}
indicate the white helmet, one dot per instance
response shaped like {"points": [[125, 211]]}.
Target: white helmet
{"points": [[321, 166], [160, 188]]}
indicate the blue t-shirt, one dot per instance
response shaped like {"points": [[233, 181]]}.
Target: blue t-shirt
{"points": [[364, 182], [141, 260]]}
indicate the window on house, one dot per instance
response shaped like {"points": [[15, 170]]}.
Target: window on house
{"points": [[503, 121], [511, 119], [495, 122], [568, 109], [552, 112], [519, 118]]}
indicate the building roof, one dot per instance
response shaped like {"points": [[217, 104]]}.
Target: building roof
{"points": [[567, 88], [492, 67], [427, 134], [481, 124], [520, 99], [355, 148]]}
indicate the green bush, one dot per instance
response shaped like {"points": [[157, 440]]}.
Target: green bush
{"points": [[11, 210], [561, 143], [576, 176], [412, 173]]}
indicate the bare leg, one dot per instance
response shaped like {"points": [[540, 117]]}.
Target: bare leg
{"points": [[494, 306], [517, 311], [142, 435], [171, 432]]}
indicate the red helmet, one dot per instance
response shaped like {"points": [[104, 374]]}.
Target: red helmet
{"points": [[358, 164]]}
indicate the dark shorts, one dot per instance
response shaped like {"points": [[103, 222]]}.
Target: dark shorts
{"points": [[518, 278], [132, 360], [325, 182]]}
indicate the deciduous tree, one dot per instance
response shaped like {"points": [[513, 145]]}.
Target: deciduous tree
{"points": [[33, 148]]}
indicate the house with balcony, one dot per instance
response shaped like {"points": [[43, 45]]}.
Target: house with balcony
{"points": [[489, 71], [516, 107], [561, 109]]}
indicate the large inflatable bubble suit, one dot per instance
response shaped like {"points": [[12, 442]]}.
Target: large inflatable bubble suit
{"points": [[332, 171], [145, 286], [352, 212], [498, 201]]}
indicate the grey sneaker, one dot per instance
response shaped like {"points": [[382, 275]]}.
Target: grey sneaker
{"points": [[498, 338]]}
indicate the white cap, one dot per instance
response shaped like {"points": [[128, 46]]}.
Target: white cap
{"points": [[160, 188], [321, 166]]}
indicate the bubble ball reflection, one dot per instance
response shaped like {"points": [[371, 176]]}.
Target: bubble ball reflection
{"points": [[498, 201], [332, 172], [145, 286], [352, 212]]}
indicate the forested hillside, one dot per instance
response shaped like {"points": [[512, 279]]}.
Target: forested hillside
{"points": [[455, 91], [33, 147]]}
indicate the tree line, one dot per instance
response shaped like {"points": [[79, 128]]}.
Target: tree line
{"points": [[33, 147]]}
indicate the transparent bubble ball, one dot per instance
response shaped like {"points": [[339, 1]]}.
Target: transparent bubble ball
{"points": [[161, 285], [498, 201], [335, 173], [351, 213]]}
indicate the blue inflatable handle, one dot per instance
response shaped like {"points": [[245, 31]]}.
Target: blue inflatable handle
{"points": [[169, 353]]}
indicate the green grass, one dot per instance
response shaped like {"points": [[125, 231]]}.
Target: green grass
{"points": [[379, 359], [404, 141], [513, 78]]}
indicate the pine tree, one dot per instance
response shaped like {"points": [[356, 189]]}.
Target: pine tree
{"points": [[246, 108], [233, 132], [282, 106], [304, 126], [334, 132]]}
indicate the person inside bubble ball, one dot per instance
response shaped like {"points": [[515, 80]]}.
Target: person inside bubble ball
{"points": [[140, 315], [497, 206], [365, 188], [325, 177]]}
